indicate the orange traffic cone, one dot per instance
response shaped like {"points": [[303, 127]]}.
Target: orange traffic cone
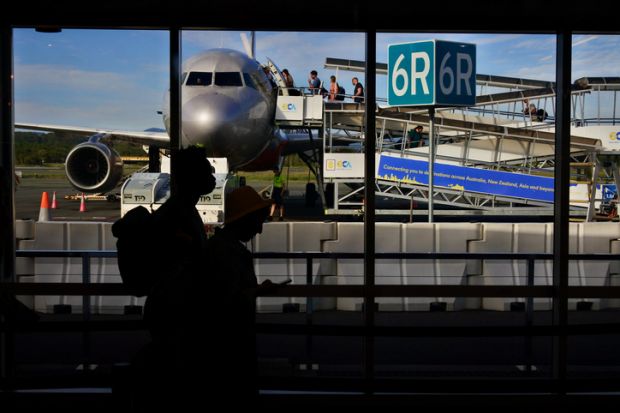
{"points": [[44, 212], [54, 203], [82, 204]]}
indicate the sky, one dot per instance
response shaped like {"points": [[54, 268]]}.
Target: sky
{"points": [[117, 78]]}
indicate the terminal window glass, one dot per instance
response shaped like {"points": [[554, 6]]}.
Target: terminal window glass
{"points": [[199, 79], [228, 79]]}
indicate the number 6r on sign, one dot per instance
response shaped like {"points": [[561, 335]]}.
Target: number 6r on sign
{"points": [[432, 73]]}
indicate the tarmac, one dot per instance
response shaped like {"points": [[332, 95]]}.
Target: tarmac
{"points": [[36, 180]]}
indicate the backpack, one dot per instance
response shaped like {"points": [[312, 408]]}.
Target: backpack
{"points": [[341, 93], [541, 115], [138, 250]]}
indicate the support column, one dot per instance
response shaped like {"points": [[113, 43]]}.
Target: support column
{"points": [[7, 158], [7, 192], [369, 203], [175, 101], [561, 204]]}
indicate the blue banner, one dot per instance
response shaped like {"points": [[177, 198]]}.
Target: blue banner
{"points": [[484, 181], [609, 191]]}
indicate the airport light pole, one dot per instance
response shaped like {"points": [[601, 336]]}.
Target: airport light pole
{"points": [[431, 161]]}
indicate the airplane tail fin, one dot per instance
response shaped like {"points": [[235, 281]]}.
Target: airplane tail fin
{"points": [[249, 44]]}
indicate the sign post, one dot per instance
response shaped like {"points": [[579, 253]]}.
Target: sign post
{"points": [[431, 73], [431, 161]]}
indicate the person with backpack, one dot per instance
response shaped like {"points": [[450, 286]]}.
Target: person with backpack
{"points": [[539, 115], [158, 254], [336, 92], [233, 362]]}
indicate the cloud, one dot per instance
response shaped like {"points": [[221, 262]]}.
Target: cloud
{"points": [[498, 38], [200, 40], [583, 40], [66, 95], [56, 76], [539, 72], [535, 42], [137, 115]]}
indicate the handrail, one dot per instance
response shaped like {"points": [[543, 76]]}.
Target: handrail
{"points": [[529, 330], [110, 289], [344, 255]]}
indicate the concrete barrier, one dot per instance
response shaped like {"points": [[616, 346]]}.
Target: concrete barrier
{"points": [[512, 238], [289, 237], [603, 238]]}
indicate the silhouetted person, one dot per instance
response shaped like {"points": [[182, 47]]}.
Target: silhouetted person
{"points": [[414, 138], [358, 91], [288, 78], [277, 192], [161, 368], [235, 289], [314, 83]]}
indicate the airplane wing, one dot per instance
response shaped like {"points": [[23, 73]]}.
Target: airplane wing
{"points": [[301, 142], [157, 138], [297, 142]]}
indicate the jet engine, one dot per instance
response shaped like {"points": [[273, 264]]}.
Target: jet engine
{"points": [[94, 167]]}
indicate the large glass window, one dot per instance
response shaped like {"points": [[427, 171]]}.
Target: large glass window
{"points": [[427, 314]]}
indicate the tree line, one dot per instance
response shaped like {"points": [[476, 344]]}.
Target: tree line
{"points": [[35, 148]]}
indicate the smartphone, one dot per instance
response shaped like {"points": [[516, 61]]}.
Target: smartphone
{"points": [[286, 282]]}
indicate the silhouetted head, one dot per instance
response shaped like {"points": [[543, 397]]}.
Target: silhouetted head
{"points": [[245, 213], [194, 173]]}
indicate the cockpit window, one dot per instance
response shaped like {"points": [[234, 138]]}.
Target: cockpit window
{"points": [[248, 80], [228, 79], [199, 79]]}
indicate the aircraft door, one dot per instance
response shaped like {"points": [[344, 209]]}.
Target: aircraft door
{"points": [[277, 77]]}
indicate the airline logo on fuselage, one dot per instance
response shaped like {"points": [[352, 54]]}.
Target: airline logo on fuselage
{"points": [[614, 136]]}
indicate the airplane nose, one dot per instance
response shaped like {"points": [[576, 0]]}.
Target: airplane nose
{"points": [[205, 117]]}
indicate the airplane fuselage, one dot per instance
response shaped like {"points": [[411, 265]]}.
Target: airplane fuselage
{"points": [[228, 106]]}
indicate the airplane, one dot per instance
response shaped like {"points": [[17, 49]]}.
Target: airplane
{"points": [[228, 106]]}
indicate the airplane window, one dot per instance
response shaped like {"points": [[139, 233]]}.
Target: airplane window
{"points": [[248, 80], [199, 79], [228, 79]]}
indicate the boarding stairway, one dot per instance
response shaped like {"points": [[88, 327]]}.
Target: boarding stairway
{"points": [[490, 136]]}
